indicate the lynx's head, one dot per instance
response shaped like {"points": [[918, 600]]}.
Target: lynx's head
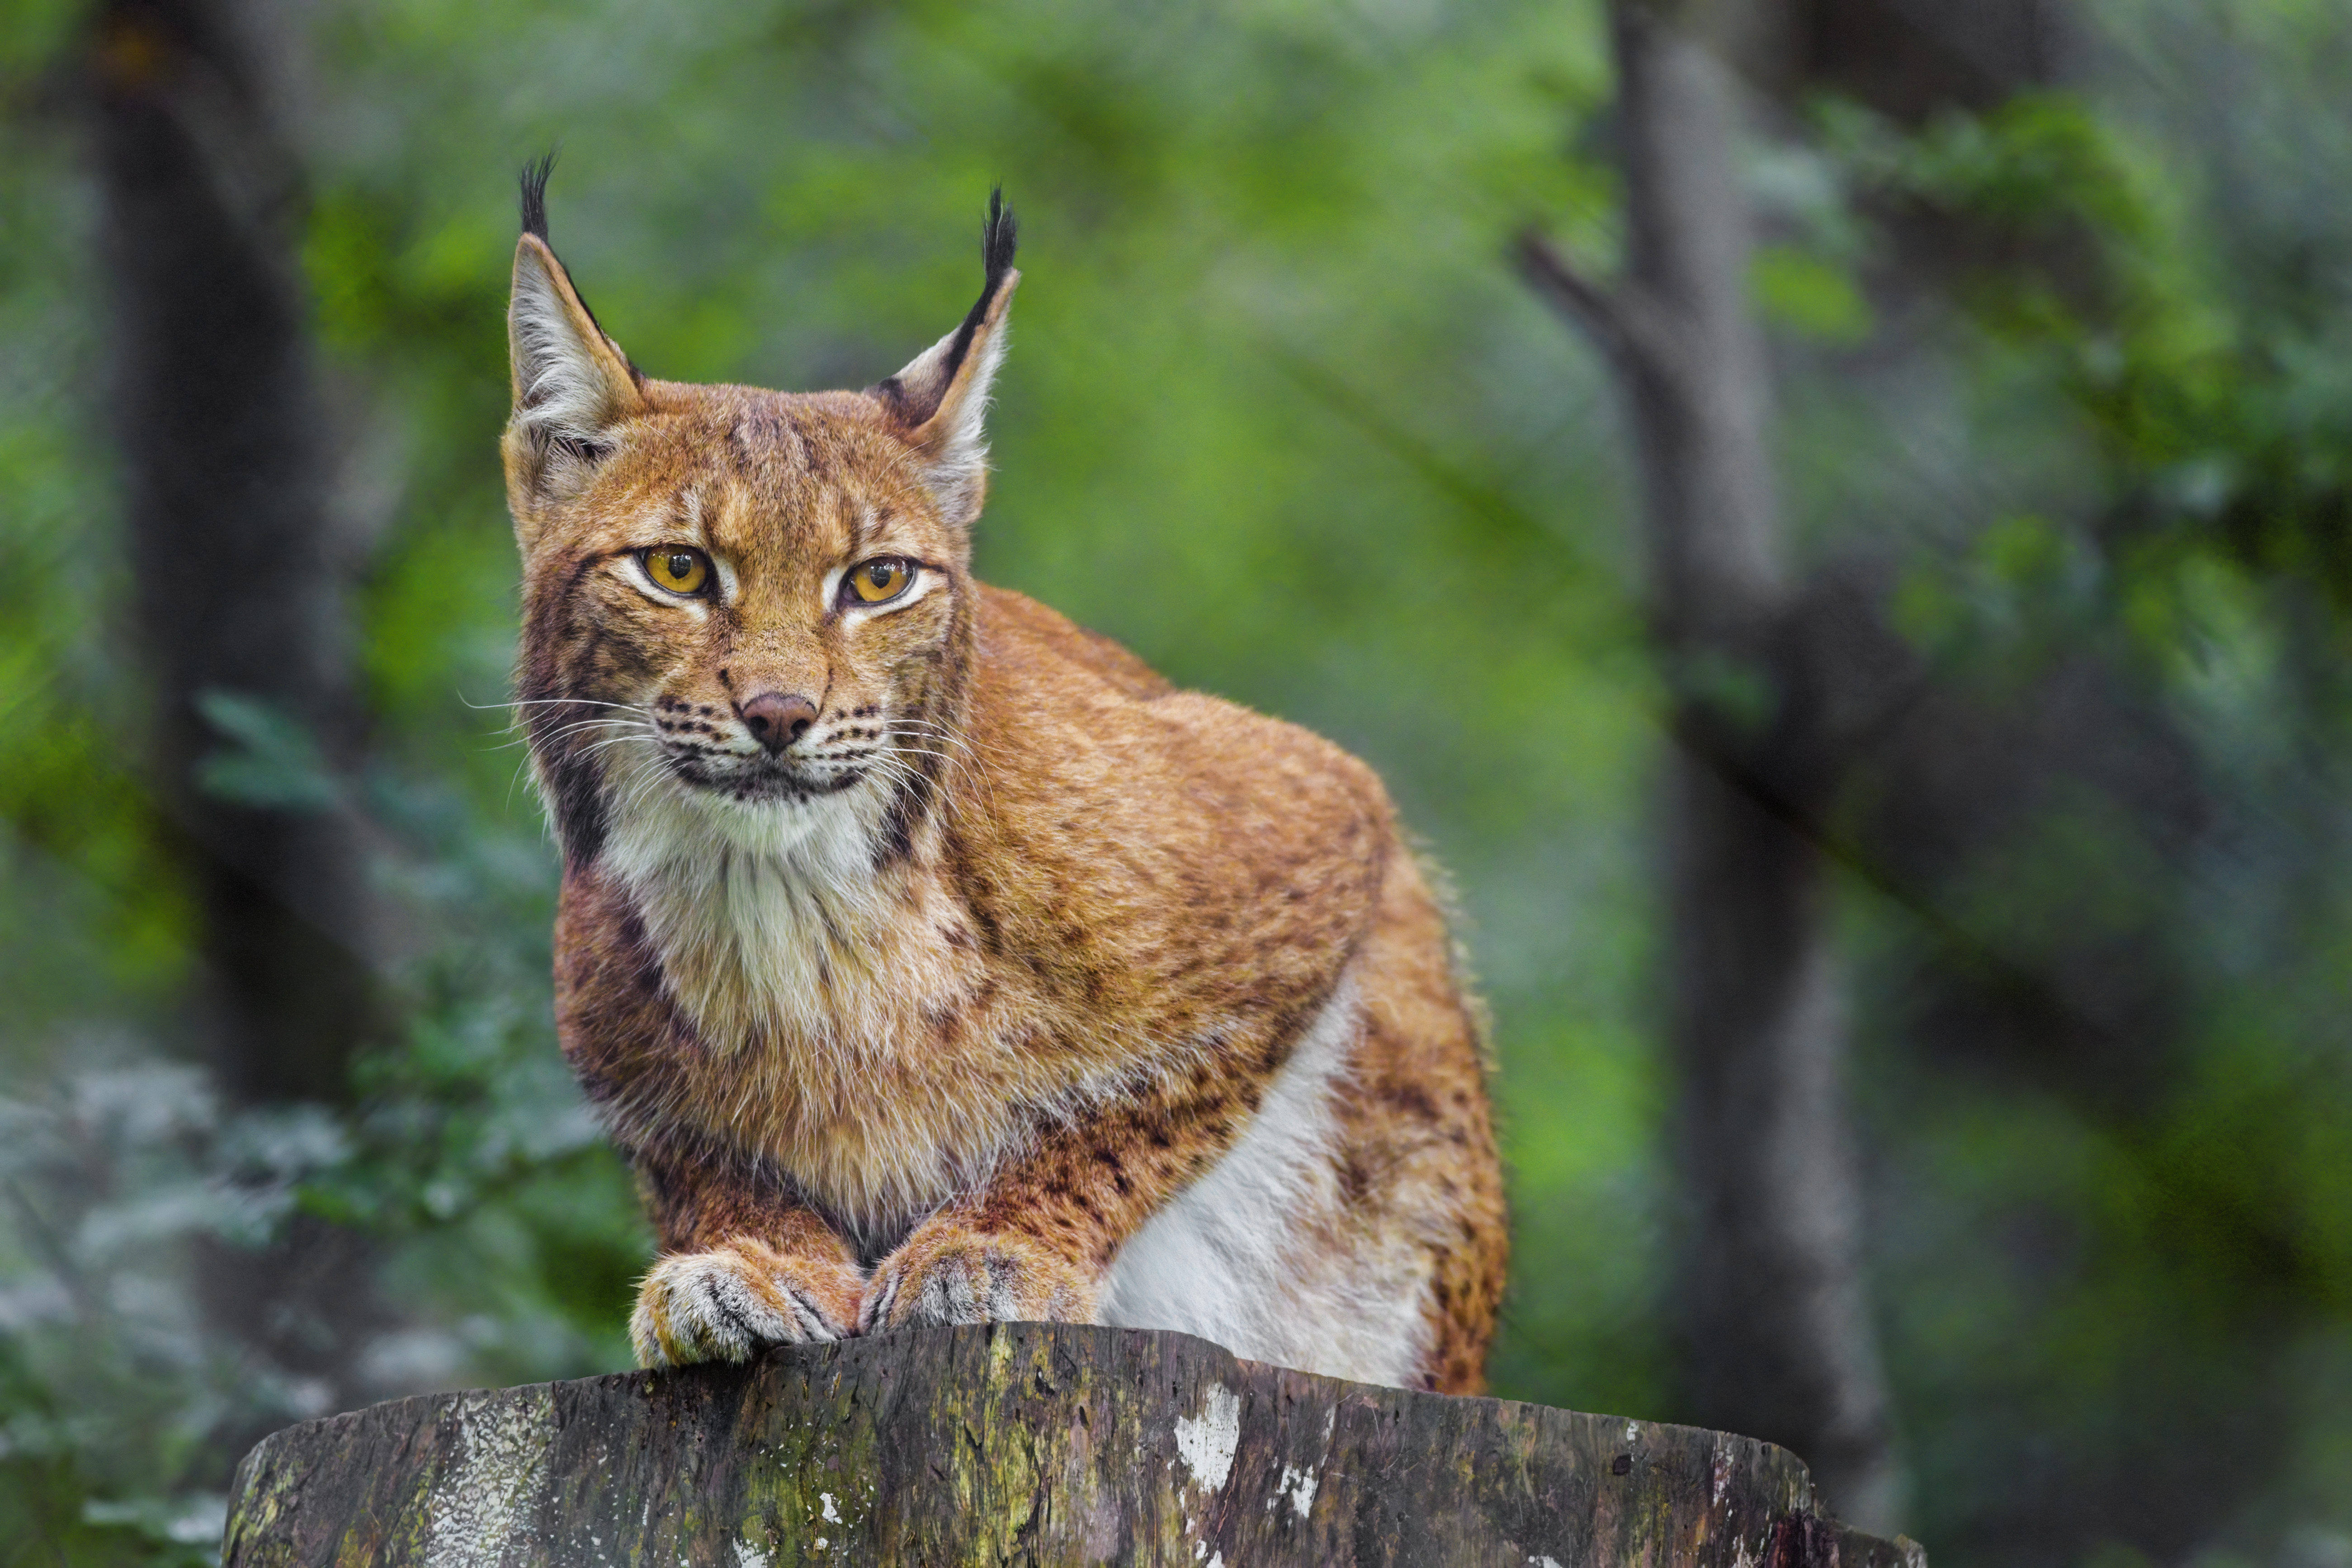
{"points": [[746, 614]]}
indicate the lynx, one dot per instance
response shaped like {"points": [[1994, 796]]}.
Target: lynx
{"points": [[930, 958]]}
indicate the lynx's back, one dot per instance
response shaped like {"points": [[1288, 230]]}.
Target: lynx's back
{"points": [[932, 959]]}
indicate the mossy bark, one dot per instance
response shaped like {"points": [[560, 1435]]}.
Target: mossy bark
{"points": [[1017, 1443]]}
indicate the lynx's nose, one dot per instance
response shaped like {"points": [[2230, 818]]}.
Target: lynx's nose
{"points": [[777, 721]]}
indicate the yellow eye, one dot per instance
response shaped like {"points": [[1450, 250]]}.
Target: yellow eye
{"points": [[885, 577], [680, 568]]}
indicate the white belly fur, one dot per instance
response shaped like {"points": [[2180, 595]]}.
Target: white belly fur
{"points": [[1262, 1256]]}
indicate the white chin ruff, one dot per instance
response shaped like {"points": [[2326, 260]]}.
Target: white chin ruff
{"points": [[745, 899]]}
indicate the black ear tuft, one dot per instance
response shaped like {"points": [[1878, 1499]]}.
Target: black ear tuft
{"points": [[534, 221], [534, 193], [998, 237], [936, 370]]}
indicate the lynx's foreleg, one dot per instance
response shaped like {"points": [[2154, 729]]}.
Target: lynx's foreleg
{"points": [[736, 1276]]}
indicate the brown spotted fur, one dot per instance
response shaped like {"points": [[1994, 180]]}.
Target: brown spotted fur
{"points": [[1096, 912]]}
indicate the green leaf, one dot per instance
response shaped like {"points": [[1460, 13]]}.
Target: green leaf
{"points": [[271, 759], [1807, 295]]}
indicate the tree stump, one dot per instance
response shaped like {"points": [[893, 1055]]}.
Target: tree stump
{"points": [[1029, 1443]]}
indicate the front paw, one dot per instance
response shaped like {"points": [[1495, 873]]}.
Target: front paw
{"points": [[725, 1304], [947, 1275]]}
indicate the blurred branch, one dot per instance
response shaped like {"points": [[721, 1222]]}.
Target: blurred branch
{"points": [[53, 1248], [1590, 304], [1969, 950], [1453, 480], [1625, 323]]}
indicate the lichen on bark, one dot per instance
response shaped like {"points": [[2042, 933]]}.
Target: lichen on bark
{"points": [[1016, 1443]]}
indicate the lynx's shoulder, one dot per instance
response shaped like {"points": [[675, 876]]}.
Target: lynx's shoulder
{"points": [[1183, 852]]}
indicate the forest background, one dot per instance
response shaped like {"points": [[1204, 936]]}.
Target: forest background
{"points": [[2056, 298]]}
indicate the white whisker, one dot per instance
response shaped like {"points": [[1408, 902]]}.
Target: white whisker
{"points": [[547, 703]]}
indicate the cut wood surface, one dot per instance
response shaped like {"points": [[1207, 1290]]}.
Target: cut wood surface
{"points": [[1026, 1443]]}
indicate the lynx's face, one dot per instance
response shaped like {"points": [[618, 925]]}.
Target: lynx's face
{"points": [[750, 596], [792, 632], [739, 605]]}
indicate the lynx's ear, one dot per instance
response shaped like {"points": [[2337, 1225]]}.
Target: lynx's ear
{"points": [[941, 400], [571, 383]]}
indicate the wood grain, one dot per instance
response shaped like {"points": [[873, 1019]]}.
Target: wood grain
{"points": [[1026, 1442]]}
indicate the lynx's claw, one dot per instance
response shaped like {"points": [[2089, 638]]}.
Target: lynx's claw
{"points": [[952, 1276], [729, 1303]]}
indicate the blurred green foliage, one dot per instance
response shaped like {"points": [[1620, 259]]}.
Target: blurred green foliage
{"points": [[1278, 416]]}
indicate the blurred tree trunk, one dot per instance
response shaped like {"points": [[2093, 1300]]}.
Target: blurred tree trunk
{"points": [[238, 601], [1772, 1311]]}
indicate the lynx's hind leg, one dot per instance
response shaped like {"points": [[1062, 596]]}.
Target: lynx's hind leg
{"points": [[1418, 1132], [1357, 1227], [1263, 1255]]}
